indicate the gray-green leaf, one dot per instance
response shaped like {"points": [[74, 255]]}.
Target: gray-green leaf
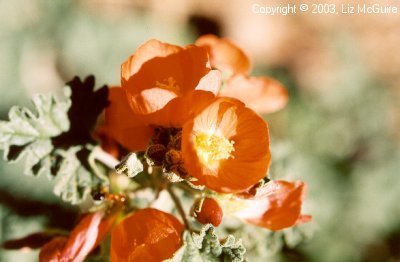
{"points": [[24, 126], [33, 133], [74, 182], [206, 247], [28, 133]]}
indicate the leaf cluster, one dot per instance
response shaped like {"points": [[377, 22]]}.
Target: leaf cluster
{"points": [[55, 138], [206, 246]]}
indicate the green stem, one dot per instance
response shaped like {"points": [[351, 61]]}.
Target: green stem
{"points": [[179, 206], [104, 157]]}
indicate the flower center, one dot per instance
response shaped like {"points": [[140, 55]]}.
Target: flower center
{"points": [[212, 148], [169, 84]]}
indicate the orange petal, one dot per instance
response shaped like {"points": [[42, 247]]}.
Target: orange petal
{"points": [[122, 125], [277, 205], [52, 250], [150, 100], [149, 50], [88, 234], [83, 238], [146, 235], [107, 143], [211, 82], [107, 223], [159, 72], [224, 55], [242, 128], [180, 109], [262, 94]]}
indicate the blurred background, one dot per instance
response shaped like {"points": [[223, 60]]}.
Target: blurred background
{"points": [[340, 132]]}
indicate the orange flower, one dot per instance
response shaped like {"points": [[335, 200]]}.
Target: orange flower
{"points": [[275, 206], [133, 132], [262, 94], [160, 83], [159, 73], [226, 146], [88, 234], [146, 235], [123, 125], [225, 55]]}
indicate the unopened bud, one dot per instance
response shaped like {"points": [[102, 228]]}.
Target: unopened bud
{"points": [[178, 169], [173, 157], [156, 153], [210, 212]]}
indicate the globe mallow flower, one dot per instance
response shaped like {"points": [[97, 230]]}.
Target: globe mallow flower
{"points": [[225, 55], [122, 125], [226, 146], [276, 205], [159, 83], [159, 73], [146, 235], [134, 131], [263, 94], [88, 234]]}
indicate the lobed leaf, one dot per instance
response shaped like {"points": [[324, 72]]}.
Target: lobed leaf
{"points": [[30, 133], [206, 247], [74, 182], [55, 138]]}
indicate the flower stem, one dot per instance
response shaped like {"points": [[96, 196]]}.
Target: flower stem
{"points": [[105, 158], [179, 206], [98, 154]]}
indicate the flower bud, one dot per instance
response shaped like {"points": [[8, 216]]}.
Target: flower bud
{"points": [[156, 153], [210, 213], [173, 157], [178, 169]]}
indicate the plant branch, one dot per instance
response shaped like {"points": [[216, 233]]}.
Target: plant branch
{"points": [[179, 206]]}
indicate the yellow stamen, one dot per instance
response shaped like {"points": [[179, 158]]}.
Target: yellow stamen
{"points": [[213, 148], [169, 84]]}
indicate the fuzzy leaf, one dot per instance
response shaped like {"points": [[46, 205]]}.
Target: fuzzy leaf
{"points": [[130, 165], [29, 133], [206, 247], [56, 138], [74, 182]]}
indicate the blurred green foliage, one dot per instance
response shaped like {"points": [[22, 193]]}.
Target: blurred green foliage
{"points": [[337, 139]]}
